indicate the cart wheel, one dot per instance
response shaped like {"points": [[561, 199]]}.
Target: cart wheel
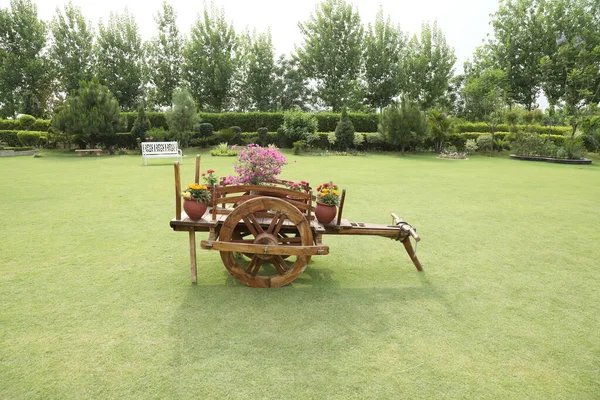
{"points": [[288, 226]]}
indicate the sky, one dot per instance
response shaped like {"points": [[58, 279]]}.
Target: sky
{"points": [[464, 22]]}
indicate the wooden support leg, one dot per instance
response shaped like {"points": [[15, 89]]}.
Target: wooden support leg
{"points": [[411, 253], [193, 269]]}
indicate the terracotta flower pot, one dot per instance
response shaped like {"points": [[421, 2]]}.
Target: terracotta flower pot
{"points": [[193, 209], [325, 213]]}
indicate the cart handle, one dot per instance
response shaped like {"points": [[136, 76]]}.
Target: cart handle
{"points": [[406, 227]]}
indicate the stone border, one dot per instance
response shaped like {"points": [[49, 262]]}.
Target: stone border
{"points": [[12, 153], [552, 160]]}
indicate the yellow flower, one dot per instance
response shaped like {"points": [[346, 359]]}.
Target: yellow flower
{"points": [[187, 195], [196, 187], [335, 192]]}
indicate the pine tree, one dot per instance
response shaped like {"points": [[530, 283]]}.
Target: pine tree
{"points": [[344, 132]]}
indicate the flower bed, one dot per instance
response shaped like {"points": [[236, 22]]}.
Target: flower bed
{"points": [[552, 160]]}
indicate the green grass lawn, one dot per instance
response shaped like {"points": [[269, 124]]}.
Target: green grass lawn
{"points": [[96, 299]]}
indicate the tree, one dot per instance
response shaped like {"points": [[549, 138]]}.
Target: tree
{"points": [[209, 60], [344, 132], [182, 117], [439, 124], [90, 111], [164, 57], [25, 80], [402, 124], [141, 125], [485, 97], [571, 67], [384, 46], [71, 49], [291, 89], [261, 72], [120, 55], [428, 67], [331, 53], [519, 43]]}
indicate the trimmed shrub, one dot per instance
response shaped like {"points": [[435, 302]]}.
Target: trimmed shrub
{"points": [[263, 138], [159, 135], [26, 121], [10, 125], [41, 125], [29, 138], [10, 137], [344, 132], [297, 125], [484, 142], [205, 130]]}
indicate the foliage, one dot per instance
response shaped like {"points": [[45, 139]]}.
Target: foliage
{"points": [[141, 124], [90, 111], [71, 50], [158, 135], [297, 125], [182, 117], [258, 84], [206, 129], [330, 54], [256, 165], [299, 146], [328, 193], [223, 150], [384, 46], [439, 125], [119, 58], [515, 24], [428, 67], [25, 81], [263, 136], [200, 193], [29, 138], [403, 124], [209, 178], [344, 132], [10, 137], [26, 121], [485, 142], [291, 88], [164, 58], [209, 60], [471, 146]]}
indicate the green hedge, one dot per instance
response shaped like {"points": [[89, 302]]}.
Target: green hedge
{"points": [[39, 125], [10, 137], [465, 127]]}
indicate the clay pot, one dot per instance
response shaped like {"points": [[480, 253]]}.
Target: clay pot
{"points": [[194, 209], [325, 213]]}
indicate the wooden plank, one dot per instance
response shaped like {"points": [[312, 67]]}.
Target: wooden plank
{"points": [[193, 269], [197, 175], [263, 249], [343, 199], [177, 191]]}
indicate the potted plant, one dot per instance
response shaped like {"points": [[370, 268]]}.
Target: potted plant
{"points": [[328, 198], [256, 166], [195, 200]]}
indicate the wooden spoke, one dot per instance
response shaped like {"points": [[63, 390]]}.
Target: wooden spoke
{"points": [[255, 223], [254, 266], [290, 240], [279, 224], [279, 264], [274, 222]]}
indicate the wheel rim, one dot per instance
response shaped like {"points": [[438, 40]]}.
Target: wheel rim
{"points": [[244, 226]]}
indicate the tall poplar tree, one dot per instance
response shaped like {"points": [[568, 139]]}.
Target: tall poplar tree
{"points": [[25, 73], [384, 49], [164, 57], [119, 59], [209, 60], [331, 52], [428, 67], [71, 49]]}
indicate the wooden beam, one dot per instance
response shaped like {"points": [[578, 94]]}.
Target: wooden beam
{"points": [[177, 191], [193, 268], [339, 217], [197, 176], [266, 249]]}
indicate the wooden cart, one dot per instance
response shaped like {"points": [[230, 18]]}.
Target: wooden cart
{"points": [[266, 235]]}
